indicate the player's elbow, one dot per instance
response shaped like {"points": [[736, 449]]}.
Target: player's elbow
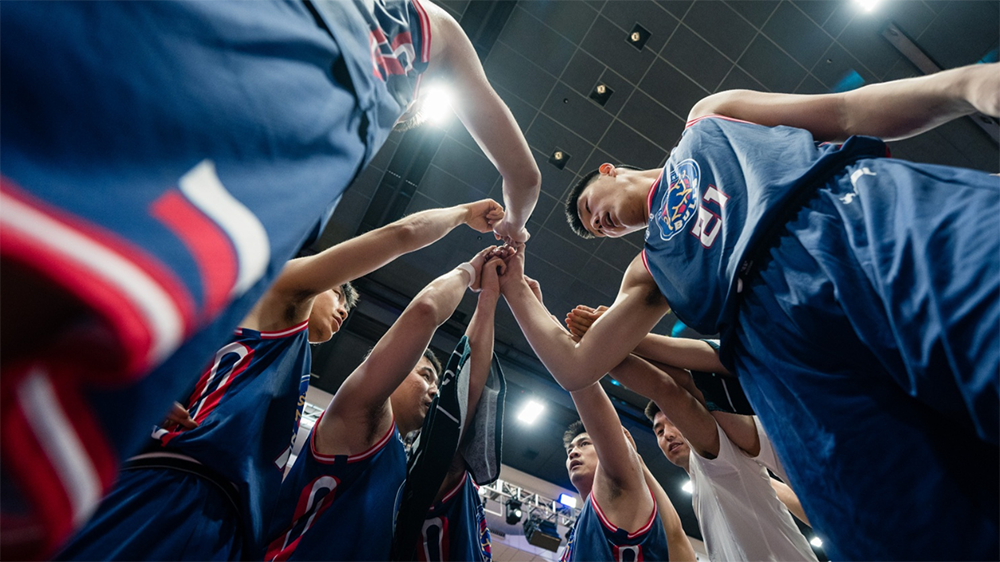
{"points": [[715, 104], [427, 308]]}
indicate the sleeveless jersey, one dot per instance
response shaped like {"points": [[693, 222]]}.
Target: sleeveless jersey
{"points": [[455, 528], [339, 507], [248, 404], [718, 196], [595, 538], [387, 43]]}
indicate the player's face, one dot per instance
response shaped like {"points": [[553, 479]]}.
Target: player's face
{"points": [[412, 399], [329, 311], [670, 440], [604, 211], [581, 461]]}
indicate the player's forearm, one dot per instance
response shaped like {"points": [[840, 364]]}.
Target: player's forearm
{"points": [[574, 366], [694, 355], [904, 108], [480, 333], [438, 300]]}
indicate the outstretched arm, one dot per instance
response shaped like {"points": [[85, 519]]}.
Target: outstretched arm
{"points": [[488, 120], [685, 411], [288, 301], [890, 110], [686, 353], [678, 543], [576, 365], [359, 413], [619, 484]]}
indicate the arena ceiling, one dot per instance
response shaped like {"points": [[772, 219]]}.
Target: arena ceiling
{"points": [[545, 58]]}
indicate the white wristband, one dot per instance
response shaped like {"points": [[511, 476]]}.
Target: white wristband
{"points": [[467, 267]]}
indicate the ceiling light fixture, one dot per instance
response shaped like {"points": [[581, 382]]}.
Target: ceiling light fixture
{"points": [[530, 411], [867, 5], [601, 93], [436, 104], [638, 36], [559, 158], [567, 500]]}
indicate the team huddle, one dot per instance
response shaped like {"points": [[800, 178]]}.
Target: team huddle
{"points": [[164, 163]]}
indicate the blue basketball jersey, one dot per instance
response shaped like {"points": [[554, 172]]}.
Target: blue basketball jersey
{"points": [[248, 404], [339, 507], [594, 538], [455, 528], [717, 195], [388, 43]]}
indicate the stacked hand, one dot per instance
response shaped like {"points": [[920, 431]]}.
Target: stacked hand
{"points": [[179, 415], [493, 266], [483, 216], [510, 234], [581, 318]]}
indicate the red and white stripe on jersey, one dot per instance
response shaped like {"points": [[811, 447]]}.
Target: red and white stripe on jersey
{"points": [[649, 211], [212, 385], [425, 32], [313, 501], [716, 116], [367, 453], [612, 527], [144, 302], [55, 449], [434, 540]]}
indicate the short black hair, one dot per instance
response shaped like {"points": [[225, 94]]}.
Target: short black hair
{"points": [[651, 410], [574, 429], [350, 295], [573, 199], [435, 362]]}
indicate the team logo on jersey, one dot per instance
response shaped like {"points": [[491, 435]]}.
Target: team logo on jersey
{"points": [[680, 204], [485, 544]]}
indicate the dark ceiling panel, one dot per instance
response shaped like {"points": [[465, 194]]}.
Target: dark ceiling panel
{"points": [[650, 16], [672, 89], [651, 119], [739, 80], [581, 115], [469, 165], [527, 35], [622, 88], [631, 148], [583, 72], [524, 113], [728, 31], [770, 66], [863, 39], [606, 42], [676, 7], [696, 58], [962, 33], [817, 10], [756, 11], [841, 16], [836, 64], [797, 34], [618, 253], [545, 135], [510, 70], [570, 19], [810, 85]]}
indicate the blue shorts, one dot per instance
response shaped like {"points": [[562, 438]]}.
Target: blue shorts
{"points": [[160, 514], [868, 343], [161, 161]]}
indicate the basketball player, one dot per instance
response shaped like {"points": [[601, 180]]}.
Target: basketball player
{"points": [[208, 492], [337, 501], [161, 162], [857, 298]]}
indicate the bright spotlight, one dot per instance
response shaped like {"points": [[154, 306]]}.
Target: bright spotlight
{"points": [[436, 104], [816, 541], [866, 5], [567, 500], [530, 411], [512, 511], [688, 487]]}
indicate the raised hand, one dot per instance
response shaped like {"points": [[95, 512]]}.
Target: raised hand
{"points": [[483, 216], [581, 318], [489, 275], [515, 266], [510, 235]]}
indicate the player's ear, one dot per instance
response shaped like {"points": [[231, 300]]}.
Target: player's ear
{"points": [[608, 169]]}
